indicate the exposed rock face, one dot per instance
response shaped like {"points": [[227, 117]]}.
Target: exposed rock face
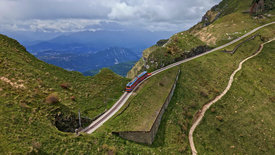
{"points": [[194, 51], [68, 123], [162, 42], [142, 64], [211, 16], [259, 6]]}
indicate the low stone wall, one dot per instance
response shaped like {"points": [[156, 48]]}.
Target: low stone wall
{"points": [[148, 137], [239, 45]]}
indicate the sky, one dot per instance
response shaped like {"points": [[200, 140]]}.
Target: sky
{"points": [[91, 15]]}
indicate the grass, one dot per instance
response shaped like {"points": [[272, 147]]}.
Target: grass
{"points": [[142, 108], [247, 111], [179, 44], [27, 120], [26, 127], [44, 79], [231, 24], [193, 90]]}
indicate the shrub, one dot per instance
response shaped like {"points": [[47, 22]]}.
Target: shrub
{"points": [[105, 146], [52, 98], [213, 110], [111, 150], [73, 98], [162, 42], [161, 84], [204, 93], [65, 85], [220, 118]]}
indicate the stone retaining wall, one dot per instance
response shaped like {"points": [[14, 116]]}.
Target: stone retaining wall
{"points": [[148, 137]]}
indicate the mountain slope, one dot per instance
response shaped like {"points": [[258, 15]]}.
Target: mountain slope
{"points": [[200, 81], [221, 24], [27, 128], [38, 99], [244, 117]]}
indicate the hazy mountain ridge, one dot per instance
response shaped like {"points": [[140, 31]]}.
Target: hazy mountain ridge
{"points": [[84, 51], [121, 69], [88, 41], [88, 61]]}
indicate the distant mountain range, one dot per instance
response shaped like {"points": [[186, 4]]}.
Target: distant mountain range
{"points": [[88, 41], [91, 51], [121, 69], [88, 61]]}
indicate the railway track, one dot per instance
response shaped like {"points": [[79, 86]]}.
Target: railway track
{"points": [[122, 100]]}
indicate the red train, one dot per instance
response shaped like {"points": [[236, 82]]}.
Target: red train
{"points": [[131, 85]]}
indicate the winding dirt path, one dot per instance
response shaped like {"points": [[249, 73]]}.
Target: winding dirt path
{"points": [[207, 106], [111, 112]]}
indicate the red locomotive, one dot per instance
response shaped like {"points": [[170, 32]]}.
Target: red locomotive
{"points": [[131, 85]]}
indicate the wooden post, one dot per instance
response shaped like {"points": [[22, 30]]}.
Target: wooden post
{"points": [[79, 118]]}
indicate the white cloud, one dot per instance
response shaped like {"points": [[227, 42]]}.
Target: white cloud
{"points": [[61, 25], [122, 11], [79, 15]]}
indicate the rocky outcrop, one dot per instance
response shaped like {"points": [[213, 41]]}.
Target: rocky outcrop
{"points": [[193, 52], [210, 17], [260, 6], [142, 64], [257, 6], [67, 121], [162, 42]]}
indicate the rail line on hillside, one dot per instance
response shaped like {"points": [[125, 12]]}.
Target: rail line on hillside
{"points": [[217, 98], [122, 100]]}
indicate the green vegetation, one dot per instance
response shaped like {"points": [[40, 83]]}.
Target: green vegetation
{"points": [[35, 96], [26, 127], [27, 120], [41, 79], [193, 90], [141, 110], [230, 23], [179, 43], [247, 112]]}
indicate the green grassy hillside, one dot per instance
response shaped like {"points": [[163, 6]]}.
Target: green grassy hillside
{"points": [[200, 81], [36, 96], [221, 24], [246, 113], [141, 110]]}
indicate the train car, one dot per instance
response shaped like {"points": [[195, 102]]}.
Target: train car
{"points": [[131, 85]]}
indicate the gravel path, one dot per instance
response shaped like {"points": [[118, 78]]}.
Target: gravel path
{"points": [[207, 106]]}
